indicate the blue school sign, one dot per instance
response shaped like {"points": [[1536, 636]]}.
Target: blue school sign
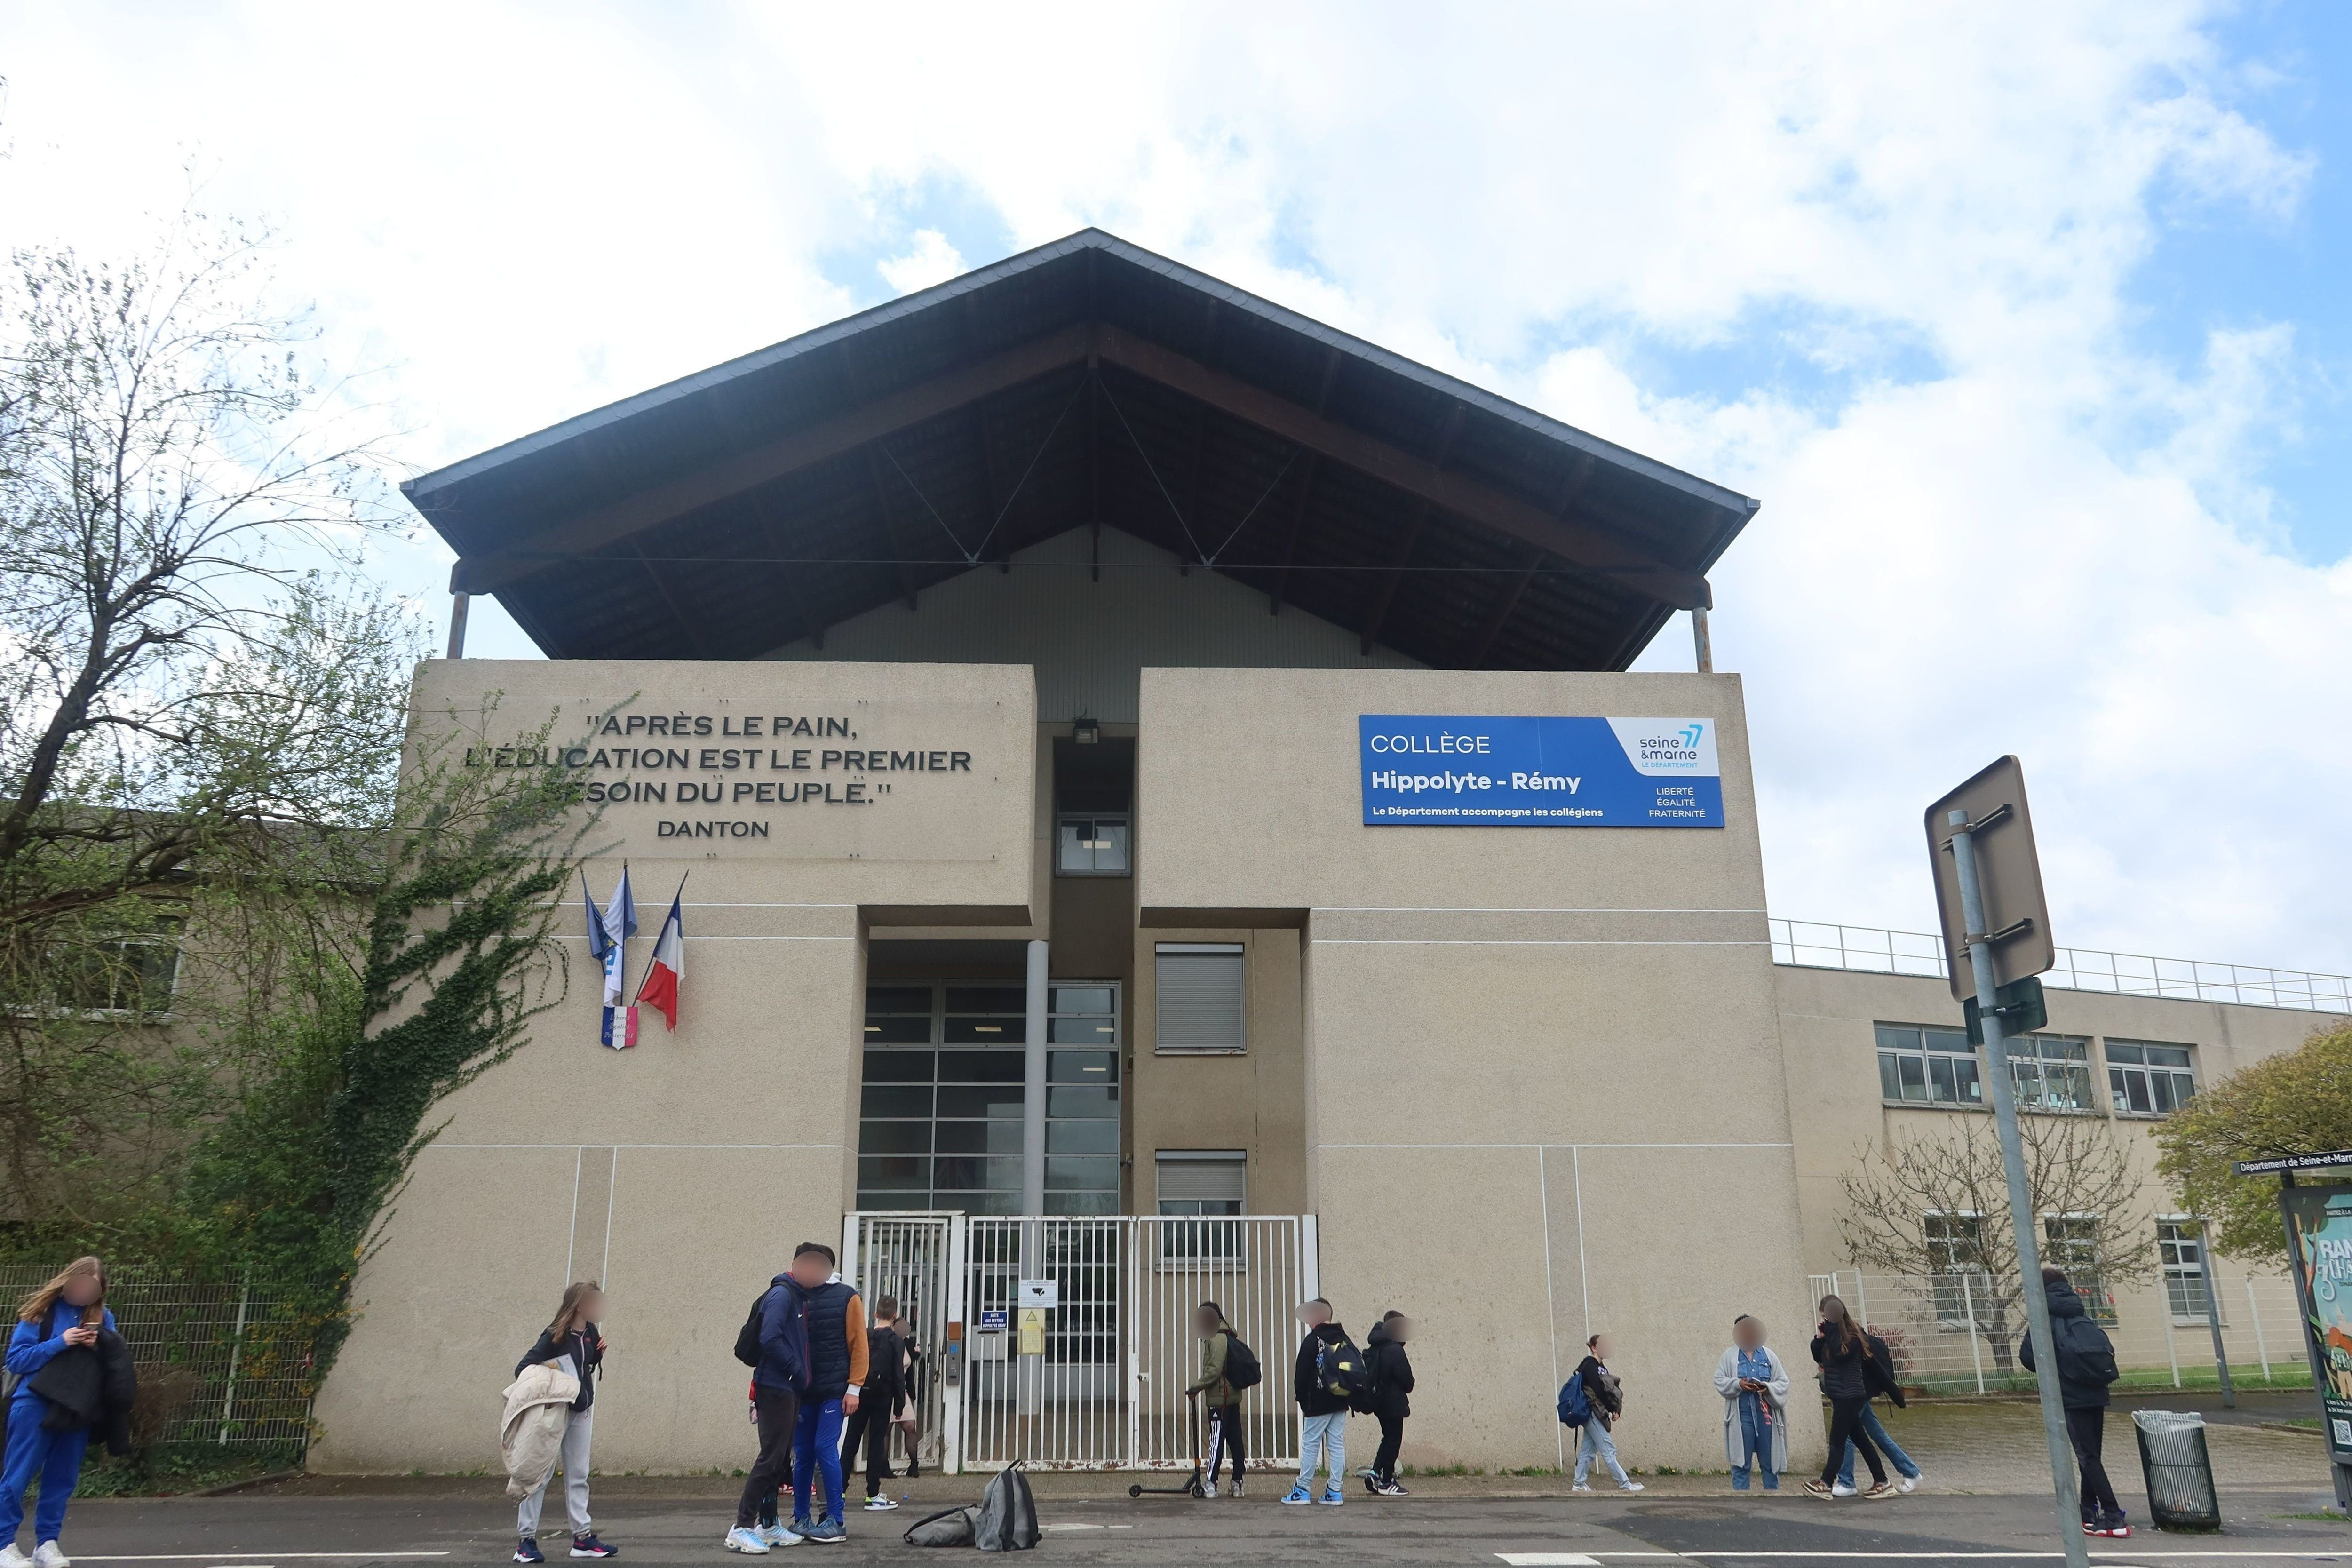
{"points": [[1451, 771]]}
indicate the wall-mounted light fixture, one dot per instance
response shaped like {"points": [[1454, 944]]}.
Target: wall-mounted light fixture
{"points": [[1085, 732]]}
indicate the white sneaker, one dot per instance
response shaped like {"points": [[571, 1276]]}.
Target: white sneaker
{"points": [[12, 1558], [48, 1554], [745, 1538], [1581, 1487], [1908, 1483], [777, 1536], [1633, 1487], [1842, 1491]]}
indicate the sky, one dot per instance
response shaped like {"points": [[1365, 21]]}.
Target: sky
{"points": [[2028, 324]]}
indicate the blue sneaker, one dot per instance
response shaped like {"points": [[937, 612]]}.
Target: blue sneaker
{"points": [[1332, 1496], [527, 1551], [827, 1530], [589, 1546], [1297, 1496]]}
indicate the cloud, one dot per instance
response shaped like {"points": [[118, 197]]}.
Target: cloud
{"points": [[932, 260], [1869, 263]]}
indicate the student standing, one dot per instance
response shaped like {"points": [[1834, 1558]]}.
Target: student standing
{"points": [[573, 1341], [777, 1384], [67, 1314], [1391, 1372], [2087, 1364], [911, 1404], [1840, 1350], [1322, 1415], [1755, 1389], [837, 1362], [1878, 1377], [877, 1402], [1216, 1393], [1595, 1440]]}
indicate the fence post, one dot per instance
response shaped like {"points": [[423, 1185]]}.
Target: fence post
{"points": [[1861, 1300], [2254, 1310], [2171, 1354], [1976, 1351], [235, 1353]]}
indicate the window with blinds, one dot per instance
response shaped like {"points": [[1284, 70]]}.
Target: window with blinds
{"points": [[1198, 1189], [1200, 998]]}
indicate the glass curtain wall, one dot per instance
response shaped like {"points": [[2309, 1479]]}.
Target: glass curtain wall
{"points": [[940, 1107]]}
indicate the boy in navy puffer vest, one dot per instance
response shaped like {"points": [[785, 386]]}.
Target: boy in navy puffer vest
{"points": [[837, 1356]]}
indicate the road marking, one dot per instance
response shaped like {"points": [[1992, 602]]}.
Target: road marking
{"points": [[215, 1557], [2122, 1560], [1549, 1558]]}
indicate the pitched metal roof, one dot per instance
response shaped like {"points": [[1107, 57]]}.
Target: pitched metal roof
{"points": [[1084, 383]]}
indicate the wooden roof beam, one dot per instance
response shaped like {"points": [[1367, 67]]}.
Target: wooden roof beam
{"points": [[1587, 546], [593, 529]]}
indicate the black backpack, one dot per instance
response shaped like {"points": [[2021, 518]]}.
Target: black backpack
{"points": [[1340, 1371], [1242, 1369], [747, 1338], [2085, 1354]]}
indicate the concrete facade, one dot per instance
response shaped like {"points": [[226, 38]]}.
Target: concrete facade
{"points": [[1532, 1083]]}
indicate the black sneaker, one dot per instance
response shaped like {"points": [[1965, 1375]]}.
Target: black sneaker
{"points": [[527, 1551]]}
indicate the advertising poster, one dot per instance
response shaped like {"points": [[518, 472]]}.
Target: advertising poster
{"points": [[2321, 1218], [1517, 770]]}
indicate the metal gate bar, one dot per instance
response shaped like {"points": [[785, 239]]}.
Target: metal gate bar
{"points": [[1108, 1391]]}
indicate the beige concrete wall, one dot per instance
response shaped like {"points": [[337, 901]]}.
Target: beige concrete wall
{"points": [[1543, 1084], [1827, 1019], [679, 1174]]}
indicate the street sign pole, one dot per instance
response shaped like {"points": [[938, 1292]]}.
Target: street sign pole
{"points": [[2020, 1203]]}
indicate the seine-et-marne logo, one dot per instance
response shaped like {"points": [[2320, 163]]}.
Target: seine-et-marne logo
{"points": [[1680, 747]]}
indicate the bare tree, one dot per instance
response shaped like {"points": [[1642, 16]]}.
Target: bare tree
{"points": [[2079, 1177], [196, 685]]}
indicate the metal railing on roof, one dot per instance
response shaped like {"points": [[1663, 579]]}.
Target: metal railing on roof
{"points": [[1814, 945]]}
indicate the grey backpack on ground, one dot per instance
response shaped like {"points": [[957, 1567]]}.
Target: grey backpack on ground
{"points": [[950, 1527], [1007, 1518]]}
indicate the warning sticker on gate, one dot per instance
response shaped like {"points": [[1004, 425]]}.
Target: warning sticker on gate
{"points": [[1040, 1293], [991, 1318], [1032, 1331]]}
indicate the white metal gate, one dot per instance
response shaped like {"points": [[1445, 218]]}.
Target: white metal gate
{"points": [[1107, 1392]]}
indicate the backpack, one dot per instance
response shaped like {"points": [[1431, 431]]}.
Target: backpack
{"points": [[1242, 1369], [2085, 1354], [950, 1527], [1340, 1372], [747, 1338], [1575, 1408], [1006, 1520]]}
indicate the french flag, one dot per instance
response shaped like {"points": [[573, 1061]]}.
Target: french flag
{"points": [[668, 970]]}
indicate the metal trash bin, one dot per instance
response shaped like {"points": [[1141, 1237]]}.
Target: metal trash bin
{"points": [[2180, 1471]]}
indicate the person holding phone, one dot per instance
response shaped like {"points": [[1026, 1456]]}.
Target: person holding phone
{"points": [[66, 1314], [573, 1341], [1755, 1389]]}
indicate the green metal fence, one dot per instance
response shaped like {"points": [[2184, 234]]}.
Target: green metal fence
{"points": [[243, 1340]]}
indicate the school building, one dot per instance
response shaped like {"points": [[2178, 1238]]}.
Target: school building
{"points": [[1163, 813]]}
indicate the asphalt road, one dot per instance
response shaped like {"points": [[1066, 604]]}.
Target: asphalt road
{"points": [[294, 1530]]}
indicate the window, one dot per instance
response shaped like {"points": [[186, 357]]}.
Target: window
{"points": [[1955, 1270], [1082, 1100], [1199, 990], [2180, 1246], [1924, 1066], [132, 973], [944, 1097], [2149, 1079], [1092, 846], [2070, 1242], [2050, 1072], [1202, 1183]]}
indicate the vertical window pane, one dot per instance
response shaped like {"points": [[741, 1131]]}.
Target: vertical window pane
{"points": [[1890, 1076]]}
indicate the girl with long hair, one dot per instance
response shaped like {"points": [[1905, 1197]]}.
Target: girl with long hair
{"points": [[67, 1314], [1840, 1350], [573, 1343]]}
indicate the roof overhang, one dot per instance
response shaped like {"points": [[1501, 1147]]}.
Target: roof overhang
{"points": [[1084, 383]]}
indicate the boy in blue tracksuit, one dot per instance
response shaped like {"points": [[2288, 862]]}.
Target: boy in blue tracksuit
{"points": [[837, 1356]]}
